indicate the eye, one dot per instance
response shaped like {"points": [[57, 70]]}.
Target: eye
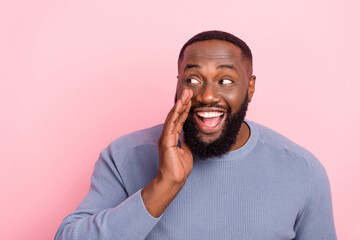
{"points": [[225, 81], [192, 81]]}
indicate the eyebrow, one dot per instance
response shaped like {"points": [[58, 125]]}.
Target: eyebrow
{"points": [[229, 66], [188, 66], [222, 66]]}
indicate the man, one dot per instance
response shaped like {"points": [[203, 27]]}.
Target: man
{"points": [[206, 173]]}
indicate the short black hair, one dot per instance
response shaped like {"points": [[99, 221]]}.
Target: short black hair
{"points": [[219, 35]]}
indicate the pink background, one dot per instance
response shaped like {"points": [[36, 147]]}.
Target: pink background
{"points": [[75, 75]]}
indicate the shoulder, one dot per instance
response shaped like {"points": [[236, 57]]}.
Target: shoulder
{"points": [[122, 146], [138, 138], [132, 158], [278, 143]]}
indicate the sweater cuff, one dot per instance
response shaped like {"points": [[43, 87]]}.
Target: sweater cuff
{"points": [[137, 195], [142, 221]]}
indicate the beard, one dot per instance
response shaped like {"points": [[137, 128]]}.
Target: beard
{"points": [[220, 146]]}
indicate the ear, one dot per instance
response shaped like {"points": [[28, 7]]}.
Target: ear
{"points": [[251, 88]]}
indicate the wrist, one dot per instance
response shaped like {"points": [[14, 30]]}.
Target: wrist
{"points": [[158, 194], [171, 179]]}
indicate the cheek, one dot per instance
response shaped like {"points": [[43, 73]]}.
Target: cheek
{"points": [[234, 99]]}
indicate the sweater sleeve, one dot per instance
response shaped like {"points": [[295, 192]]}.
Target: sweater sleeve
{"points": [[107, 211], [316, 220]]}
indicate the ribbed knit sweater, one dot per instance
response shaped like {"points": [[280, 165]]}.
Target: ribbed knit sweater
{"points": [[269, 189]]}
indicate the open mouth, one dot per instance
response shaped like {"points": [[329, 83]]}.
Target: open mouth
{"points": [[209, 121]]}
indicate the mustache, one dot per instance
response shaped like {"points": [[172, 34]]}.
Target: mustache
{"points": [[200, 105]]}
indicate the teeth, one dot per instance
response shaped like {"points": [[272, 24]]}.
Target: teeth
{"points": [[210, 114]]}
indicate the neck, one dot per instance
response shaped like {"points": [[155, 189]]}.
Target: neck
{"points": [[242, 137]]}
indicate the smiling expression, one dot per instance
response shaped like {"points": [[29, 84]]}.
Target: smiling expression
{"points": [[220, 79]]}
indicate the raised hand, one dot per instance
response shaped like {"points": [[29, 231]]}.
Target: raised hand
{"points": [[175, 164]]}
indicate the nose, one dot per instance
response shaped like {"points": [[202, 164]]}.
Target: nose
{"points": [[208, 94]]}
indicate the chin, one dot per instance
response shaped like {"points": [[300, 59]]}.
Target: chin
{"points": [[209, 138]]}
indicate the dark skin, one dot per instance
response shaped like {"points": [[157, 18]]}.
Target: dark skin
{"points": [[210, 72]]}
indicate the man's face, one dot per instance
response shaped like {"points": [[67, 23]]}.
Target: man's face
{"points": [[222, 85]]}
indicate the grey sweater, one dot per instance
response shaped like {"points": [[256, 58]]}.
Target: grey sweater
{"points": [[269, 189]]}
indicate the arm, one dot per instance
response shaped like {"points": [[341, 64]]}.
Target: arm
{"points": [[107, 212], [316, 220]]}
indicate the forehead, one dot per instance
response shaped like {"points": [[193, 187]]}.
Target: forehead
{"points": [[211, 51]]}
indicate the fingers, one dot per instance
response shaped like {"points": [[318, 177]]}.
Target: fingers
{"points": [[182, 118], [183, 114], [186, 96], [178, 113]]}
